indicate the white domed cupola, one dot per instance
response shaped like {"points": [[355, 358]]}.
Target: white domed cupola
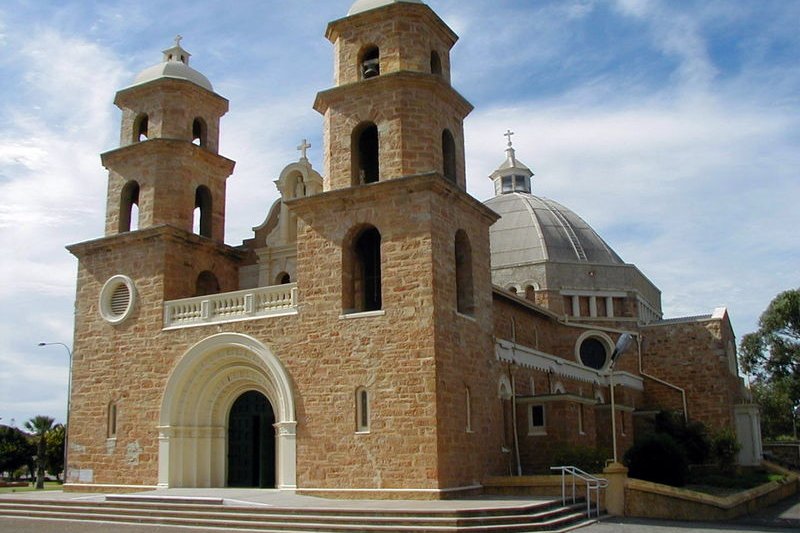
{"points": [[366, 5], [512, 175], [175, 64]]}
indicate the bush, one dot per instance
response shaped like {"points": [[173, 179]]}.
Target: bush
{"points": [[692, 437], [725, 447], [658, 458], [587, 459]]}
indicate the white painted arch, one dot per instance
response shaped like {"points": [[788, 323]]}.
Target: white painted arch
{"points": [[193, 420]]}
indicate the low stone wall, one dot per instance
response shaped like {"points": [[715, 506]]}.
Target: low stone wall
{"points": [[644, 499], [787, 453], [538, 486]]}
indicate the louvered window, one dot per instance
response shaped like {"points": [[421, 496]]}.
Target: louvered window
{"points": [[120, 299]]}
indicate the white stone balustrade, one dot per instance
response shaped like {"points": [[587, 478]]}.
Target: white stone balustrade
{"points": [[250, 304]]}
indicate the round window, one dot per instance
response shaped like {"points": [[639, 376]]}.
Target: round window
{"points": [[116, 299], [593, 353]]}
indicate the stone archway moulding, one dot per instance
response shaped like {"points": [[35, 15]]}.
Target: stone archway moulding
{"points": [[199, 394]]}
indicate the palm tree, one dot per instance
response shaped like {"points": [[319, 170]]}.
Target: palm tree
{"points": [[40, 425]]}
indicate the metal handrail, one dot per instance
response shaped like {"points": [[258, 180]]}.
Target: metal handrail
{"points": [[592, 484]]}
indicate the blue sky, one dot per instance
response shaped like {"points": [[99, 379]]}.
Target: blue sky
{"points": [[672, 127]]}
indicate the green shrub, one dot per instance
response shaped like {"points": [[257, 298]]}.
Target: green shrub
{"points": [[587, 459], [725, 447], [692, 437], [658, 458]]}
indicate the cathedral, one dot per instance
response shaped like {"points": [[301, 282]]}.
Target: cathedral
{"points": [[383, 334]]}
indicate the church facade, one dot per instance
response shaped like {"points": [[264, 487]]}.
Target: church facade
{"points": [[383, 334]]}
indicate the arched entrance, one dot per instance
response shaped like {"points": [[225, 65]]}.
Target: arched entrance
{"points": [[251, 442], [201, 395]]}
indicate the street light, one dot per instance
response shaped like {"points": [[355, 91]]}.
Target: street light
{"points": [[69, 399], [623, 343]]}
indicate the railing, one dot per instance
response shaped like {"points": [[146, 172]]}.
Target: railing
{"points": [[592, 484], [231, 306]]}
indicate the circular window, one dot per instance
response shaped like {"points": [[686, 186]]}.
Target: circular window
{"points": [[593, 353], [116, 299]]}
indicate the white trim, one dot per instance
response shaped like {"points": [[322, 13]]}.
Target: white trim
{"points": [[534, 430], [106, 293], [525, 357], [362, 314], [602, 337]]}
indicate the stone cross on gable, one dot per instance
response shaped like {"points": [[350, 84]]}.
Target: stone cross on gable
{"points": [[178, 39], [509, 134], [304, 149]]}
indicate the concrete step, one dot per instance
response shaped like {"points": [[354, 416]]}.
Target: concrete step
{"points": [[536, 517]]}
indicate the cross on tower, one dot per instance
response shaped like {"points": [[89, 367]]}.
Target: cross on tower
{"points": [[178, 39], [304, 149], [509, 134]]}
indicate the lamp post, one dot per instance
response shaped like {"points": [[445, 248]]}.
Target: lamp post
{"points": [[69, 399], [623, 343]]}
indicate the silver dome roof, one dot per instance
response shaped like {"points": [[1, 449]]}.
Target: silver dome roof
{"points": [[533, 229]]}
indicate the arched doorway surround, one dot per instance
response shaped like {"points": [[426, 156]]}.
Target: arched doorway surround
{"points": [[200, 392]]}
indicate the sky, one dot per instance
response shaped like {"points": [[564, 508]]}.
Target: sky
{"points": [[671, 127]]}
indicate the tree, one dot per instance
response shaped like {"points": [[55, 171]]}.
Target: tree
{"points": [[776, 407], [54, 452], [772, 353], [40, 426], [15, 449]]}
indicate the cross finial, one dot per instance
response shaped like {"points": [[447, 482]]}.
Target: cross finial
{"points": [[178, 39], [304, 149], [509, 134]]}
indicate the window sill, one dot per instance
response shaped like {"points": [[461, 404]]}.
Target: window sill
{"points": [[363, 432], [362, 314], [537, 433], [468, 317]]}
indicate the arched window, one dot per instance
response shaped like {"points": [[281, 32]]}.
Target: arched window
{"points": [[140, 128], [468, 408], [449, 156], [362, 410], [206, 284], [199, 132], [436, 63], [370, 62], [129, 207], [365, 154], [530, 293], [111, 424], [362, 272], [283, 278], [464, 290], [202, 218]]}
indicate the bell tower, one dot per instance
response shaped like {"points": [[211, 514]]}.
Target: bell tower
{"points": [[392, 111], [393, 258], [168, 169]]}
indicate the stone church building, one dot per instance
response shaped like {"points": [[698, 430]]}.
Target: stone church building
{"points": [[384, 333]]}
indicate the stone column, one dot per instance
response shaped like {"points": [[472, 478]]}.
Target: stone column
{"points": [[286, 451], [617, 475]]}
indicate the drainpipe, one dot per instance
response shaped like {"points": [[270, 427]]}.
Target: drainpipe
{"points": [[514, 396], [670, 385]]}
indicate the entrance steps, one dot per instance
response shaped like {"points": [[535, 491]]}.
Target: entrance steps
{"points": [[213, 513]]}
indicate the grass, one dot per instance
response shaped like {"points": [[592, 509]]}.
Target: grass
{"points": [[48, 485], [718, 484]]}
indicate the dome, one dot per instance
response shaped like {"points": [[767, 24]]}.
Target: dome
{"points": [[366, 5], [174, 65], [534, 229]]}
